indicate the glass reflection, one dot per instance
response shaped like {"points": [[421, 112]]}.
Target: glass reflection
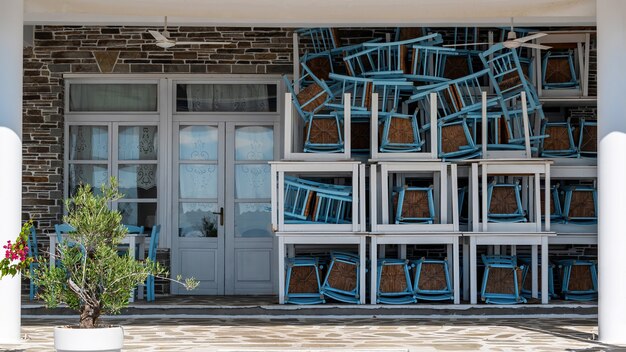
{"points": [[197, 220], [254, 143], [253, 220]]}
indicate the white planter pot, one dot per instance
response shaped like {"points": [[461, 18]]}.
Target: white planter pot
{"points": [[109, 339]]}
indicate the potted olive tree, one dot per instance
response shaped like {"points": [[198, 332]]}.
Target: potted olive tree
{"points": [[90, 275]]}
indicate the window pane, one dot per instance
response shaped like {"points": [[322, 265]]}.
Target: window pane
{"points": [[197, 220], [113, 97], [138, 181], [138, 214], [95, 175], [198, 143], [89, 143], [137, 143], [226, 97], [198, 181], [252, 181], [254, 143], [253, 220]]}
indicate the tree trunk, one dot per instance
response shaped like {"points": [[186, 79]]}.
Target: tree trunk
{"points": [[89, 316]]}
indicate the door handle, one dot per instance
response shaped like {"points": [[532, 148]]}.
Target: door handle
{"points": [[221, 214]]}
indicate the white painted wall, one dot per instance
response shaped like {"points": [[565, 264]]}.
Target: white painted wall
{"points": [[611, 170], [11, 32], [302, 13]]}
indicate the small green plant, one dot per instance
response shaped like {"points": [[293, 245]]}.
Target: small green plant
{"points": [[91, 276]]}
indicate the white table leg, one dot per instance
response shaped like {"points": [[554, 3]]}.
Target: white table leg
{"points": [[132, 241], [373, 268], [455, 270], [513, 249], [544, 270], [472, 265], [534, 268], [362, 260], [281, 270], [466, 270], [402, 251], [141, 255]]}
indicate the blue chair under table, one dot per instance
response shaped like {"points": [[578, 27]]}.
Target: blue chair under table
{"points": [[558, 70], [432, 280], [455, 141], [413, 205], [580, 280], [394, 282], [556, 210], [559, 141], [587, 138], [502, 280], [581, 204], [342, 280], [504, 203], [34, 254], [527, 278], [152, 249], [302, 282]]}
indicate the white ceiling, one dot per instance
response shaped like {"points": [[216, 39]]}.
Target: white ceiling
{"points": [[302, 13]]}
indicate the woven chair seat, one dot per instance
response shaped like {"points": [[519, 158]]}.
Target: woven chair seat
{"points": [[456, 67], [582, 205], [501, 280], [590, 139], [342, 276], [559, 138], [558, 70], [400, 131], [323, 131], [393, 279], [303, 280], [452, 138], [308, 93], [415, 204], [580, 278], [432, 277], [503, 201], [320, 66]]}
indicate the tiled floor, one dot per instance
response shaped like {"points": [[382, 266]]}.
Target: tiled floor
{"points": [[339, 335]]}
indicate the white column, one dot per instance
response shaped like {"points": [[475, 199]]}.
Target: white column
{"points": [[611, 21], [11, 37]]}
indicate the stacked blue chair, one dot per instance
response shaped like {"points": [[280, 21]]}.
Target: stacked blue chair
{"points": [[152, 250], [527, 278], [559, 141], [502, 280], [432, 280], [556, 211], [400, 133], [394, 282], [34, 254], [581, 204], [558, 70], [587, 138], [504, 203], [455, 141], [321, 39], [342, 279], [309, 201], [302, 282], [580, 280], [413, 205]]}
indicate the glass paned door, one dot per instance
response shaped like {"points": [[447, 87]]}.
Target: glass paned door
{"points": [[198, 212], [223, 233]]}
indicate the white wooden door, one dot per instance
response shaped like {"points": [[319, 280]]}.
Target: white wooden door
{"points": [[221, 216]]}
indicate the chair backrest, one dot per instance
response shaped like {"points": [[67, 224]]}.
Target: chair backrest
{"points": [[154, 242], [134, 229], [32, 243], [60, 229]]}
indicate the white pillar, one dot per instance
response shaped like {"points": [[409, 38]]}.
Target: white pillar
{"points": [[11, 38], [611, 21]]}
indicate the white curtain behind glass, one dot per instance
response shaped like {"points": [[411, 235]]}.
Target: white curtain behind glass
{"points": [[228, 97], [89, 143], [113, 97]]}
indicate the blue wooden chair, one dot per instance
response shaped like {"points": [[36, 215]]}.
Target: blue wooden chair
{"points": [[432, 280], [394, 282], [342, 279], [527, 278], [309, 201], [413, 205], [299, 196], [587, 137], [152, 250], [580, 280], [501, 280], [556, 210], [455, 141], [558, 70], [33, 253], [581, 204], [302, 282], [320, 39], [559, 141], [333, 206], [428, 64], [504, 203], [400, 133], [61, 229], [131, 229]]}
